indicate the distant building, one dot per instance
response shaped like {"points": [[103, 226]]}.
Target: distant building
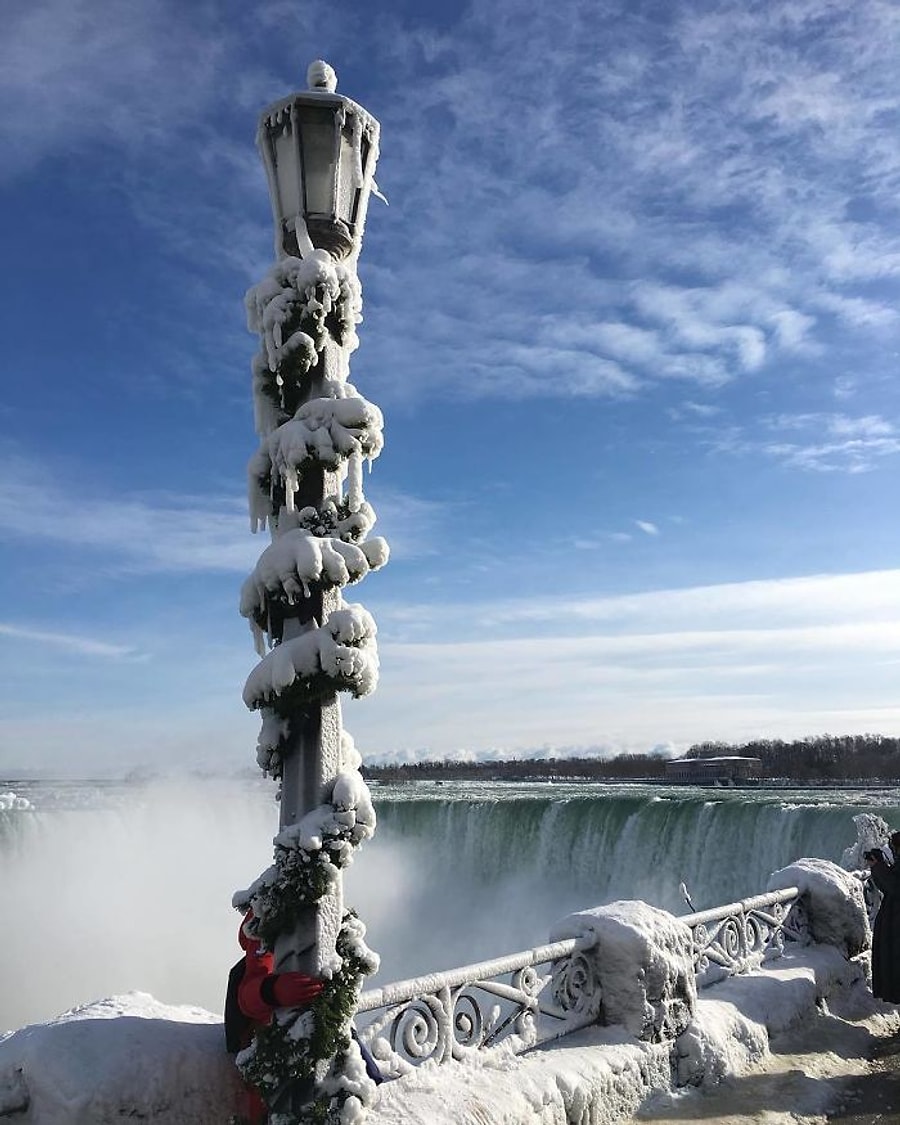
{"points": [[714, 771]]}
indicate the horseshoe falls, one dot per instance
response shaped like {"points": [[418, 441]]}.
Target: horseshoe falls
{"points": [[488, 868], [118, 887]]}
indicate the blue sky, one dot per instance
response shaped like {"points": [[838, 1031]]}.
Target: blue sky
{"points": [[631, 316]]}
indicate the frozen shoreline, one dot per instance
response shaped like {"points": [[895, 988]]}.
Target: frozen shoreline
{"points": [[132, 1056]]}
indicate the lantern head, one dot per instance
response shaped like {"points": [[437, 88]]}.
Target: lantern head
{"points": [[319, 149]]}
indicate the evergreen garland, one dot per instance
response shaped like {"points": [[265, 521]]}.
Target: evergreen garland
{"points": [[306, 690], [337, 520], [287, 1051], [301, 879], [316, 314]]}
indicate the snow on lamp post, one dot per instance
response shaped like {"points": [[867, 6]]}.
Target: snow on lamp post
{"points": [[305, 483]]}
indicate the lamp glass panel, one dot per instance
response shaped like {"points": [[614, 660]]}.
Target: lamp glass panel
{"points": [[317, 129], [347, 177], [287, 173]]}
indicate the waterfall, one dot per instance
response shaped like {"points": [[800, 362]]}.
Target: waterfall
{"points": [[128, 887], [488, 869]]}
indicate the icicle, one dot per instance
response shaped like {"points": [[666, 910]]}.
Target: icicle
{"points": [[304, 242], [291, 484], [259, 639], [260, 507], [354, 481], [356, 146]]}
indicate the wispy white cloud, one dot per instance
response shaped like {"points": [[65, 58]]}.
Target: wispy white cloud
{"points": [[647, 527], [844, 443], [164, 532], [412, 525], [792, 656], [696, 410], [831, 442], [95, 73], [84, 646], [152, 533], [808, 602], [740, 170], [730, 193]]}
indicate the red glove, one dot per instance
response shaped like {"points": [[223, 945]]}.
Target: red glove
{"points": [[290, 990]]}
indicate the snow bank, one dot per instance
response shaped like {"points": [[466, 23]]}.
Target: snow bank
{"points": [[721, 1040], [602, 1075], [834, 903], [126, 1057], [132, 1057], [598, 1077], [643, 960]]}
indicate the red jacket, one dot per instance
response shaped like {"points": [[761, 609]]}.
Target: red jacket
{"points": [[262, 990]]}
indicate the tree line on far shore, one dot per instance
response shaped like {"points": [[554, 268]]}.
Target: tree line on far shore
{"points": [[824, 758]]}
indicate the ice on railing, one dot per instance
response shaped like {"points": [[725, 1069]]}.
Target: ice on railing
{"points": [[835, 906], [644, 965], [872, 831], [557, 988], [739, 936], [448, 1015]]}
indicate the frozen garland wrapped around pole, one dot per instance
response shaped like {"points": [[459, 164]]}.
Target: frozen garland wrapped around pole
{"points": [[305, 486]]}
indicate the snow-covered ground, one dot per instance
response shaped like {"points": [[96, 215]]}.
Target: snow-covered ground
{"points": [[133, 1057], [128, 1056]]}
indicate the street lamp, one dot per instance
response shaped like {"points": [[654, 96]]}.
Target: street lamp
{"points": [[319, 149], [305, 484]]}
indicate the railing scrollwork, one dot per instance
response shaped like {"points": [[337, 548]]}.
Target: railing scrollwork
{"points": [[540, 994], [520, 1000], [733, 938]]}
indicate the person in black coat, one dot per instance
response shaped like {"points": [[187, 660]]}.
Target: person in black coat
{"points": [[886, 931]]}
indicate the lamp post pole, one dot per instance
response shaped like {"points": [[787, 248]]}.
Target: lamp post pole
{"points": [[305, 483]]}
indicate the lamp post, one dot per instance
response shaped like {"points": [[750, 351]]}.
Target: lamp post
{"points": [[305, 483]]}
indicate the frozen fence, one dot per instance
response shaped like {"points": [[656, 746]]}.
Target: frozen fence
{"points": [[540, 994], [730, 939]]}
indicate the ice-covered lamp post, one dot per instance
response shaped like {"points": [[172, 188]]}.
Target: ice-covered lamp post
{"points": [[305, 483]]}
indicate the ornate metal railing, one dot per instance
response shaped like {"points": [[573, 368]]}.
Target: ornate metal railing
{"points": [[541, 994], [739, 936], [521, 999]]}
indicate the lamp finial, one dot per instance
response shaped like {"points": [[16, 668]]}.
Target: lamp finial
{"points": [[321, 76]]}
